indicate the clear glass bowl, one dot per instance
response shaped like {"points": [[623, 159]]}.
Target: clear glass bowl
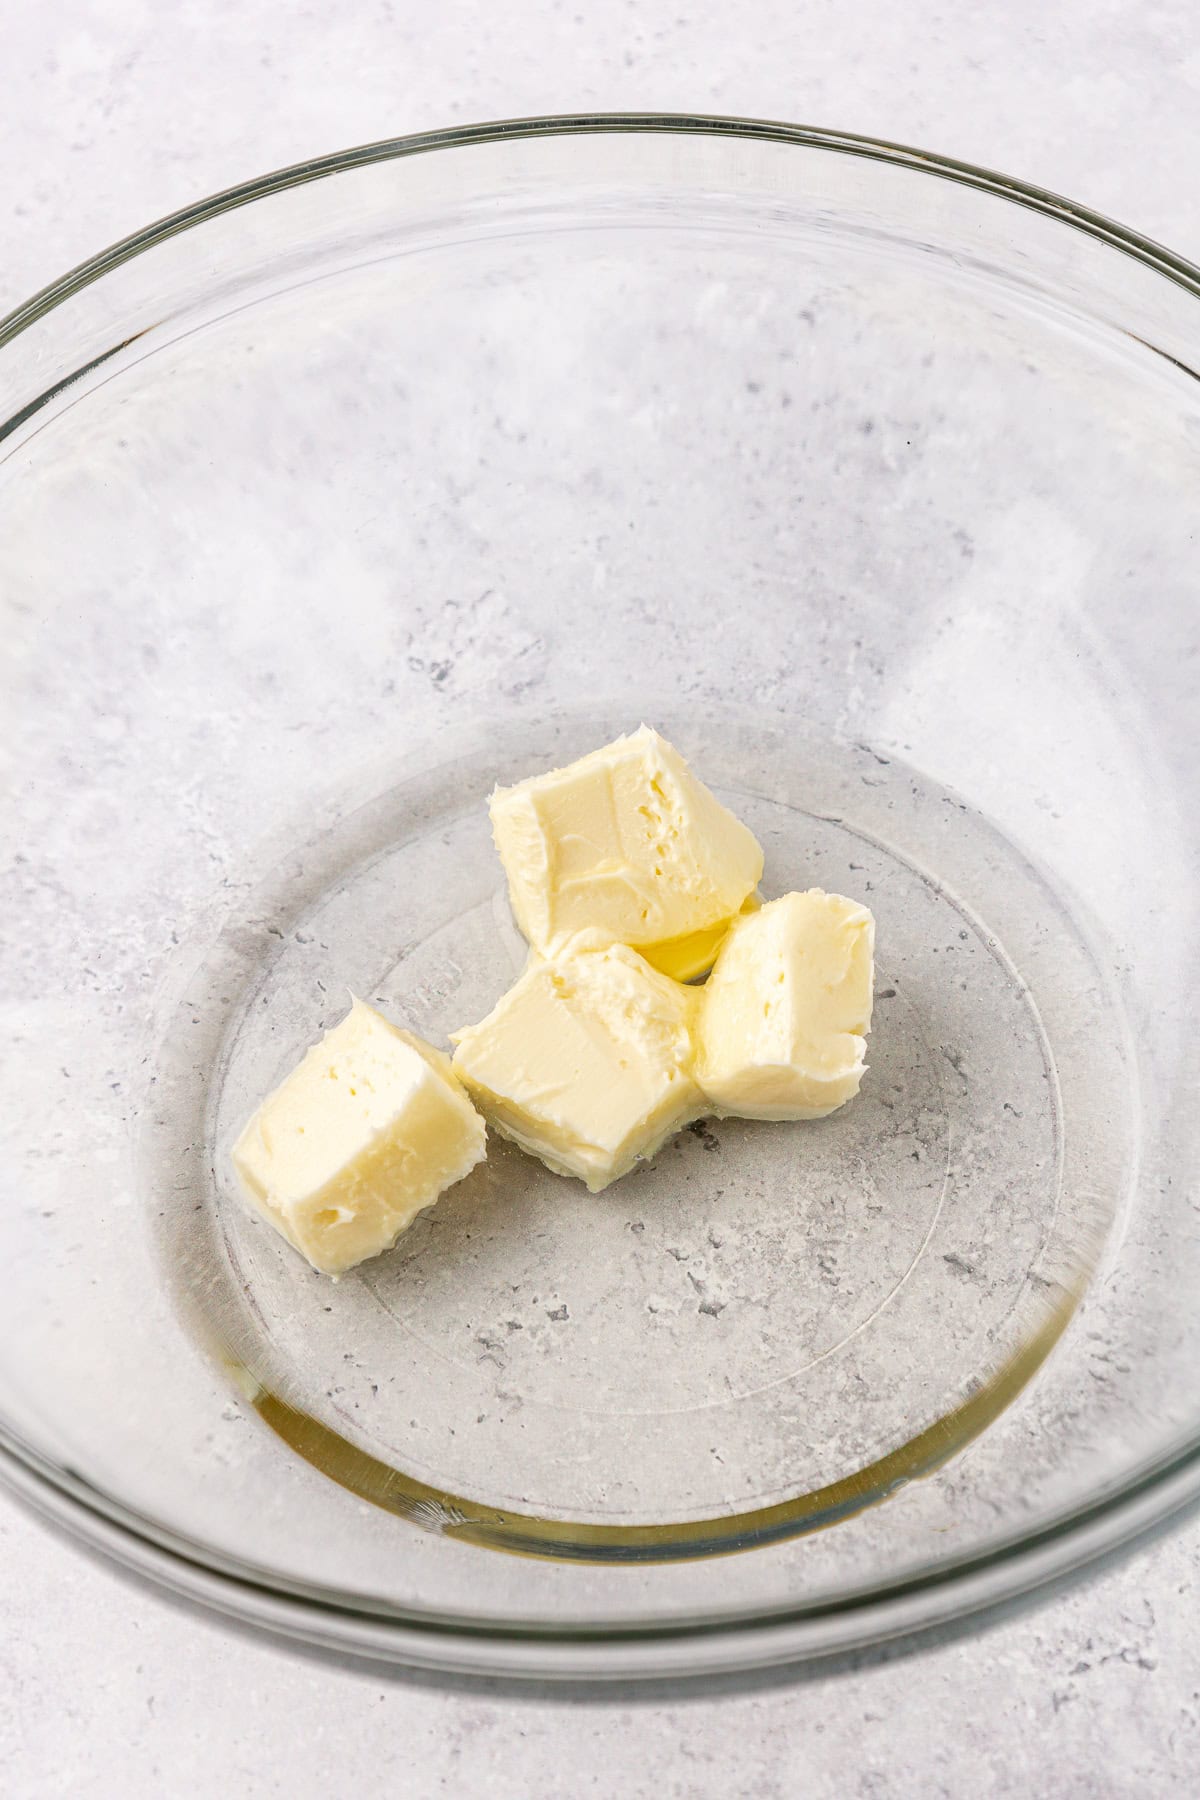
{"points": [[874, 481]]}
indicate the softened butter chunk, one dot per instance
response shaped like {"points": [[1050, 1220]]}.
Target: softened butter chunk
{"points": [[587, 1060], [783, 1018], [626, 842], [367, 1131]]}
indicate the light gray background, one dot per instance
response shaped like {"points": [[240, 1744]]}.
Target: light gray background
{"points": [[115, 112]]}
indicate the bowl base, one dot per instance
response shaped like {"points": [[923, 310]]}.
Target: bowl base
{"points": [[767, 1326]]}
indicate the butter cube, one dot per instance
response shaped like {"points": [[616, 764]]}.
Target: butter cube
{"points": [[626, 842], [784, 1015], [367, 1131], [587, 1060]]}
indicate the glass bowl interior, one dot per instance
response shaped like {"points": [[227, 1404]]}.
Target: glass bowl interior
{"points": [[874, 483]]}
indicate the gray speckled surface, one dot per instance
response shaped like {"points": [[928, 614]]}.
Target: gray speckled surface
{"points": [[114, 115]]}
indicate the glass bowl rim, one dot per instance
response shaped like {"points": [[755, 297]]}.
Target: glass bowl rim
{"points": [[1027, 1562]]}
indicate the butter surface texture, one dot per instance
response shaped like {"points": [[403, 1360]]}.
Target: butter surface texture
{"points": [[782, 1023], [586, 1062], [626, 842], [366, 1131], [684, 958]]}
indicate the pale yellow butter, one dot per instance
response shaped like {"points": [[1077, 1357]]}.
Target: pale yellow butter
{"points": [[587, 1060], [781, 1030], [625, 842], [366, 1131]]}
